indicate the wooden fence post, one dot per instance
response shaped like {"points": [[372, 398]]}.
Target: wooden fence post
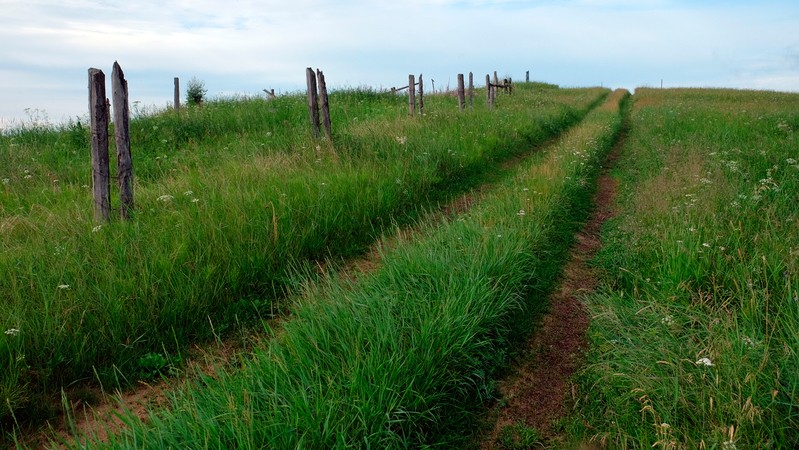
{"points": [[313, 101], [510, 86], [421, 96], [527, 77], [488, 92], [471, 89], [461, 93], [98, 113], [325, 105], [411, 95], [119, 87], [177, 93]]}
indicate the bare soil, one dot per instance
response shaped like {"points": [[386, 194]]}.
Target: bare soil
{"points": [[534, 392]]}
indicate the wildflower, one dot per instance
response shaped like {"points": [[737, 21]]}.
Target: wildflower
{"points": [[6, 181], [165, 198], [704, 362], [749, 342], [97, 228], [790, 161], [401, 139], [195, 200], [520, 213], [63, 286], [28, 176], [667, 320], [705, 244], [188, 193], [12, 331], [705, 181]]}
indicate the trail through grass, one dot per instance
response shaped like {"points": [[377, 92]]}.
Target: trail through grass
{"points": [[694, 337], [405, 356], [233, 201]]}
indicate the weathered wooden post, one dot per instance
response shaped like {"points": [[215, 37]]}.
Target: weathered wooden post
{"points": [[527, 77], [461, 93], [488, 92], [324, 104], [471, 89], [421, 96], [510, 86], [177, 93], [411, 95], [98, 113], [119, 87], [313, 101]]}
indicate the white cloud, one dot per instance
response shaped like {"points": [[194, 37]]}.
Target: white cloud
{"points": [[249, 45]]}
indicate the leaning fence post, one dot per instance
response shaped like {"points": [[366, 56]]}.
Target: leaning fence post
{"points": [[488, 92], [411, 95], [325, 106], [527, 77], [119, 87], [98, 113], [313, 101], [421, 96], [471, 89], [177, 93], [461, 93]]}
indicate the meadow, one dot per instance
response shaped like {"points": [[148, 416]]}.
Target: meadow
{"points": [[694, 335], [236, 206], [404, 355], [242, 216]]}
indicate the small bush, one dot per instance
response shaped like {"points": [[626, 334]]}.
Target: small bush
{"points": [[195, 91]]}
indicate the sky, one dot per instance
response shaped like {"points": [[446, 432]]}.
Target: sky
{"points": [[240, 47]]}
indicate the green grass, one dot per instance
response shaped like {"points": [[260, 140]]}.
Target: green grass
{"points": [[405, 356], [233, 199], [700, 263]]}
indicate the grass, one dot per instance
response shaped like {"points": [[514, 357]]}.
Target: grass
{"points": [[233, 200], [694, 336], [405, 356]]}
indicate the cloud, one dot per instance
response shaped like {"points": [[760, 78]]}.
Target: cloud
{"points": [[249, 45]]}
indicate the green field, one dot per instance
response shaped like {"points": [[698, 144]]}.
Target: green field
{"points": [[694, 330]]}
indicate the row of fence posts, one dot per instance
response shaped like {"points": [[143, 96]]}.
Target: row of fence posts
{"points": [[100, 115], [99, 112]]}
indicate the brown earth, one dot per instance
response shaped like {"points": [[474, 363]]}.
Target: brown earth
{"points": [[535, 391]]}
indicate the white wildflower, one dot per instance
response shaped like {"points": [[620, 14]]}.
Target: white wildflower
{"points": [[165, 198], [12, 331], [188, 193], [195, 200], [28, 176], [63, 286], [704, 362], [667, 320], [790, 161], [6, 181], [521, 213], [400, 139], [96, 228], [705, 244]]}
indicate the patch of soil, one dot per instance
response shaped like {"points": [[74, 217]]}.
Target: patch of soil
{"points": [[534, 393]]}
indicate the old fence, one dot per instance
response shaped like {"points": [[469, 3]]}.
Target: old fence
{"points": [[318, 111]]}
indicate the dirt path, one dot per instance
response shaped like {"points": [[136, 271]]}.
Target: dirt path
{"points": [[103, 417], [534, 392]]}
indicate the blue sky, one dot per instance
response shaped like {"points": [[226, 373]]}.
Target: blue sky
{"points": [[244, 46]]}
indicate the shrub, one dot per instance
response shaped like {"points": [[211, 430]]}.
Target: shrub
{"points": [[195, 91]]}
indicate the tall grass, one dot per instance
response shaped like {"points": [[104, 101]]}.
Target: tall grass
{"points": [[231, 200], [696, 332], [401, 358]]}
